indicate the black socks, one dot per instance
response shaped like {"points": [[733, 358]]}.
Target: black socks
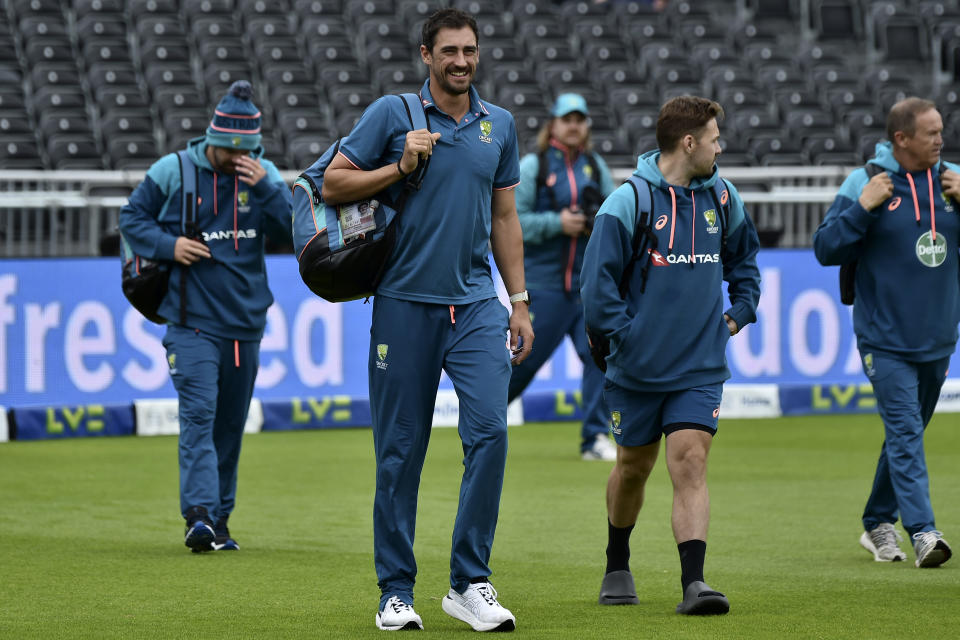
{"points": [[692, 553], [618, 548]]}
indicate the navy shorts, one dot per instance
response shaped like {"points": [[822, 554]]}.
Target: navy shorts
{"points": [[639, 418]]}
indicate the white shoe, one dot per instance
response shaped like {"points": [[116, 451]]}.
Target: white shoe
{"points": [[479, 608], [882, 542], [932, 550], [397, 615], [603, 448]]}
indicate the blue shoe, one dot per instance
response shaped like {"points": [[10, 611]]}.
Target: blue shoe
{"points": [[223, 541], [200, 535]]}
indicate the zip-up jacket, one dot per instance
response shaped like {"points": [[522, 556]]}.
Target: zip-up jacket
{"points": [[551, 260], [226, 295], [672, 335], [907, 293]]}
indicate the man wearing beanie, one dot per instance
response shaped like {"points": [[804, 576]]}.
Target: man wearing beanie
{"points": [[206, 210]]}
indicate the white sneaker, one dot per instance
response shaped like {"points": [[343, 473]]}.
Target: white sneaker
{"points": [[882, 542], [603, 448], [397, 615], [932, 550], [479, 608]]}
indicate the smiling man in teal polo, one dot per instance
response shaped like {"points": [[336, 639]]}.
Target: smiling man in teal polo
{"points": [[436, 310]]}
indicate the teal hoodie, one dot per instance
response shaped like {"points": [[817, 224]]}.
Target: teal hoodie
{"points": [[227, 294], [673, 335], [907, 293]]}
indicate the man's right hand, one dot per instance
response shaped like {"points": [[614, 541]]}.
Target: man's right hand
{"points": [[188, 251], [879, 189], [419, 144], [573, 222]]}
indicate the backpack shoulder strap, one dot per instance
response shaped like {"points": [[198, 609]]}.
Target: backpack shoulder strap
{"points": [[594, 166], [874, 169], [721, 200], [543, 170], [642, 233], [188, 194]]}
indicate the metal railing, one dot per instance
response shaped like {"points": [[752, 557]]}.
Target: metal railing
{"points": [[68, 213]]}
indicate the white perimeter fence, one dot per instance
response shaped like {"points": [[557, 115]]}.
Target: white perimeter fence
{"points": [[67, 213]]}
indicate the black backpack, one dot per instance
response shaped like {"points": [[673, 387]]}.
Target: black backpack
{"points": [[340, 268], [144, 281], [644, 242], [848, 270]]}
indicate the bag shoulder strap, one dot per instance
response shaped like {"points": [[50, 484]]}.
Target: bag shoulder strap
{"points": [[188, 217], [721, 201], [643, 235]]}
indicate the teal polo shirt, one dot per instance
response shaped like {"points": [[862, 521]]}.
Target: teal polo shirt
{"points": [[444, 233]]}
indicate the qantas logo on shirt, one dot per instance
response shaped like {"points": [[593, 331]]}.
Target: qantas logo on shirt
{"points": [[228, 234], [657, 259]]}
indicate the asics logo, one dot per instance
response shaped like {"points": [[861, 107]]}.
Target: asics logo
{"points": [[894, 204], [661, 223]]}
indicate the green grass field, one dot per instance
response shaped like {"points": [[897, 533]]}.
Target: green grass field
{"points": [[91, 539]]}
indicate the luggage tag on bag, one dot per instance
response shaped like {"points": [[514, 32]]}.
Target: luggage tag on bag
{"points": [[356, 219]]}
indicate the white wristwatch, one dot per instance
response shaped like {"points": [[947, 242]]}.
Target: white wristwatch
{"points": [[523, 296]]}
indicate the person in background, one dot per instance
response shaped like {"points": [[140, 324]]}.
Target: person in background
{"points": [[216, 304], [561, 188], [901, 228]]}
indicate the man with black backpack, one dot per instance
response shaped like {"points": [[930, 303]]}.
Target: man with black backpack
{"points": [[896, 221], [651, 283], [561, 189], [436, 310], [204, 211]]}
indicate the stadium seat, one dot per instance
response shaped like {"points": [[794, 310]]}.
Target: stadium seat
{"points": [[11, 98], [111, 74], [49, 50], [191, 122], [19, 152], [15, 123], [121, 123], [74, 151], [294, 97], [100, 50], [648, 29], [902, 39], [279, 52], [43, 27], [152, 27], [501, 51], [355, 9], [553, 52], [318, 8], [55, 74], [788, 99], [284, 73], [520, 96], [614, 147], [390, 78], [415, 12], [613, 74], [101, 25], [219, 78], [205, 8], [305, 151], [57, 97], [216, 27], [348, 99], [156, 7], [215, 52], [603, 52], [801, 120], [169, 97], [734, 96], [343, 73], [164, 52], [84, 8], [110, 98], [837, 19], [343, 123], [132, 152], [297, 123]]}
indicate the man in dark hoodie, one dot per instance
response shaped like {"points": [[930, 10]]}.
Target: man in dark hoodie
{"points": [[901, 227], [668, 332], [216, 304]]}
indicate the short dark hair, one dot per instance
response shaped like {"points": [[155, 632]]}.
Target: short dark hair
{"points": [[446, 19], [903, 115], [684, 115]]}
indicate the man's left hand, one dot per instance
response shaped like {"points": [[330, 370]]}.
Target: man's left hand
{"points": [[249, 170], [521, 333], [731, 324], [950, 181]]}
